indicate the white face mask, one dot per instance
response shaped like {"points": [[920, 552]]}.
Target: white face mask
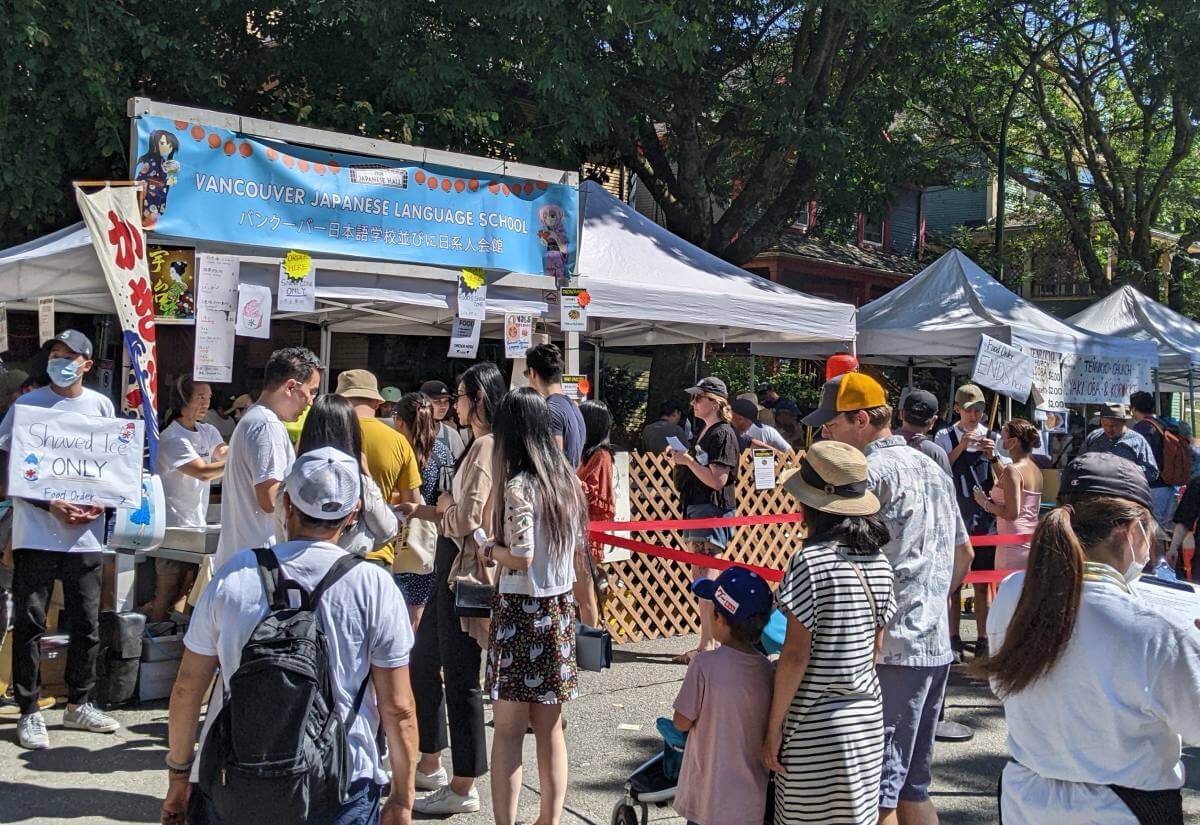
{"points": [[1134, 571]]}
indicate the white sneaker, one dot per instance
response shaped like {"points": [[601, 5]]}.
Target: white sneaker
{"points": [[446, 801], [31, 732], [432, 781], [90, 718]]}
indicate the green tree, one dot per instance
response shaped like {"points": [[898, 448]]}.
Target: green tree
{"points": [[1104, 114]]}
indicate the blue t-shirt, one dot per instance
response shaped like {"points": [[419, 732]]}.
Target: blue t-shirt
{"points": [[567, 421]]}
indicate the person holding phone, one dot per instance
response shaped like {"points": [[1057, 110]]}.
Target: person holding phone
{"points": [[708, 479]]}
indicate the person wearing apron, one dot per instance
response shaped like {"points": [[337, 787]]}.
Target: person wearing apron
{"points": [[1098, 684]]}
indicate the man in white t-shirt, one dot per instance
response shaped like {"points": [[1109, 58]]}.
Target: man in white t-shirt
{"points": [[366, 626], [57, 540], [752, 433], [261, 453]]}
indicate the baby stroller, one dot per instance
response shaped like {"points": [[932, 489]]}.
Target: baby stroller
{"points": [[653, 783]]}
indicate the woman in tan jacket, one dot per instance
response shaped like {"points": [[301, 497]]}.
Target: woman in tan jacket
{"points": [[448, 647]]}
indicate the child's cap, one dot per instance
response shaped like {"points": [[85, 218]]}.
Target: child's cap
{"points": [[740, 594]]}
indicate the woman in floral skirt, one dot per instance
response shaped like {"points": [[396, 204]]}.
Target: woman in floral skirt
{"points": [[540, 523]]}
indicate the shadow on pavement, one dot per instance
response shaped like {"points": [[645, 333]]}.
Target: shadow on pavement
{"points": [[125, 756], [21, 802]]}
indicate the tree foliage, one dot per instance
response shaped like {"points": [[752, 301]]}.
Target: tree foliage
{"points": [[1105, 110]]}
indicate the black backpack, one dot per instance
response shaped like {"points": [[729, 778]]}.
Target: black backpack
{"points": [[277, 751]]}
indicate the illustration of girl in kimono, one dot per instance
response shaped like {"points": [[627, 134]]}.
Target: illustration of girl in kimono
{"points": [[158, 169], [553, 235]]}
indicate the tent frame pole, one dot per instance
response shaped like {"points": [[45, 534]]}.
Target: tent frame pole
{"points": [[1192, 399], [1157, 395], [326, 355]]}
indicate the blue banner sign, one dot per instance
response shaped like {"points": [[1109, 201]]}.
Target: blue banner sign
{"points": [[212, 184]]}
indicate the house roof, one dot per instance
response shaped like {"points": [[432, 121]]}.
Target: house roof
{"points": [[805, 246]]}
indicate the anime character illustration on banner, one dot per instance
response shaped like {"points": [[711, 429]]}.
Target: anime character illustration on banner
{"points": [[159, 170], [553, 235]]}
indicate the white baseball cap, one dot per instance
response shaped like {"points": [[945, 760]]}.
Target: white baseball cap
{"points": [[324, 484]]}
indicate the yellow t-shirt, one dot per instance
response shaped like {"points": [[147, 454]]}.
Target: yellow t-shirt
{"points": [[392, 463]]}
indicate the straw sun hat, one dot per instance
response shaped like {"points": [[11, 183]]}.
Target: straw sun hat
{"points": [[832, 478]]}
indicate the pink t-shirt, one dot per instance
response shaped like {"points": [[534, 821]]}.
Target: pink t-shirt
{"points": [[727, 694]]}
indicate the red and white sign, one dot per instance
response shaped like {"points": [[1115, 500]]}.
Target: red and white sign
{"points": [[114, 220]]}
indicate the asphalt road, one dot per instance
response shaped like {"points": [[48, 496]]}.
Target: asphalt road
{"points": [[87, 778]]}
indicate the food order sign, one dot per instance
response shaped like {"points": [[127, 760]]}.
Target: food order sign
{"points": [[80, 459]]}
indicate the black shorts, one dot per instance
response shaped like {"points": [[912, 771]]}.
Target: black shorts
{"points": [[985, 559]]}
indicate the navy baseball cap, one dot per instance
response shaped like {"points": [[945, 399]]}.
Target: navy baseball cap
{"points": [[75, 340], [738, 593], [1105, 474]]}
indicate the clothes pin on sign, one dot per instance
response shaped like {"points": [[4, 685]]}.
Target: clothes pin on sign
{"points": [[764, 469]]}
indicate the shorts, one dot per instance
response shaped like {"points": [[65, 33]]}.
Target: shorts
{"points": [[715, 539], [1163, 499], [985, 558], [912, 701]]}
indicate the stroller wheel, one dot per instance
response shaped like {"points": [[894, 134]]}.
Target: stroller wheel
{"points": [[624, 815]]}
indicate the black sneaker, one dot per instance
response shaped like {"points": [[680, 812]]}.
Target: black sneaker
{"points": [[956, 648], [981, 649]]}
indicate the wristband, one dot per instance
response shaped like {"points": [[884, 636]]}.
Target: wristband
{"points": [[176, 767]]}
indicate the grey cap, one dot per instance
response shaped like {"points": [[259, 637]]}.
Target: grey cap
{"points": [[324, 484], [75, 340], [710, 386]]}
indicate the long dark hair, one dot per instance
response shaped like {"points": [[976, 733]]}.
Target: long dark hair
{"points": [[181, 396], [1044, 618], [152, 149], [331, 422], [415, 409], [524, 444], [861, 535], [483, 378], [597, 422]]}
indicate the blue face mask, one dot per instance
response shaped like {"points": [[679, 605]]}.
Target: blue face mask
{"points": [[63, 372]]}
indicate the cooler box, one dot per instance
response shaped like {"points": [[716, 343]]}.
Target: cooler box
{"points": [[120, 655], [161, 656]]}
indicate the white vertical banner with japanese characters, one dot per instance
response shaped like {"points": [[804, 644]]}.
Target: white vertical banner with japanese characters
{"points": [[216, 317], [45, 320], [114, 220]]}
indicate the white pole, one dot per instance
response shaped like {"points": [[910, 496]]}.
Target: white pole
{"points": [[1157, 403], [596, 369], [326, 355], [572, 352]]}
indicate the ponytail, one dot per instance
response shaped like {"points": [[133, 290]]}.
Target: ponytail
{"points": [[1044, 618]]}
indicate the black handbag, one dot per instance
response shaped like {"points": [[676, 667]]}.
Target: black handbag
{"points": [[473, 600]]}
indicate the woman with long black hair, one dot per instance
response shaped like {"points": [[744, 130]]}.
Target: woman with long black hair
{"points": [[539, 523], [331, 422], [1098, 685], [448, 647]]}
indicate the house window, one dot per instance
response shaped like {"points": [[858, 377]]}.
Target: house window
{"points": [[802, 218], [872, 231]]}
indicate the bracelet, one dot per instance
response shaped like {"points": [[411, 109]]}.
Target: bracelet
{"points": [[177, 767]]}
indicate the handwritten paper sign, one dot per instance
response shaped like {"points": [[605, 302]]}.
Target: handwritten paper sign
{"points": [[3, 328], [216, 308], [518, 334], [472, 295], [764, 469], [254, 311], [81, 459], [1002, 368], [572, 309], [297, 284], [464, 338], [1089, 379], [45, 319]]}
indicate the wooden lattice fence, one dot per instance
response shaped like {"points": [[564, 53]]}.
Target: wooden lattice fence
{"points": [[649, 596]]}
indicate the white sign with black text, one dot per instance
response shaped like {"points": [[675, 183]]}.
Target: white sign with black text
{"points": [[764, 469], [216, 317], [45, 320], [464, 338], [80, 459], [1002, 368]]}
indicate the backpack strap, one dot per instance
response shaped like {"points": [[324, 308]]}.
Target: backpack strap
{"points": [[268, 570]]}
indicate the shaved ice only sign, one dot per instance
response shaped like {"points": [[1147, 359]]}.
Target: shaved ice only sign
{"points": [[80, 459]]}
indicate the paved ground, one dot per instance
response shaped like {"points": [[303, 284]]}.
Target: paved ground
{"points": [[88, 779]]}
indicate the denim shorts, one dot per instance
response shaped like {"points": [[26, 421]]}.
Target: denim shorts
{"points": [[912, 702], [718, 537]]}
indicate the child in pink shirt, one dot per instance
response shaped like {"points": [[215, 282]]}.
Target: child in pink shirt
{"points": [[723, 707]]}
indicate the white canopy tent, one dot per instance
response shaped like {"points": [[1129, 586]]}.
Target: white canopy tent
{"points": [[1130, 313], [936, 318]]}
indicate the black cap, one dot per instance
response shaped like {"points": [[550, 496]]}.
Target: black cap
{"points": [[919, 406], [710, 386], [435, 389], [764, 387], [1105, 474], [75, 340], [745, 408]]}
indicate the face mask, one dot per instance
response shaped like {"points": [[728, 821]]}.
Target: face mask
{"points": [[1134, 571], [63, 372]]}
